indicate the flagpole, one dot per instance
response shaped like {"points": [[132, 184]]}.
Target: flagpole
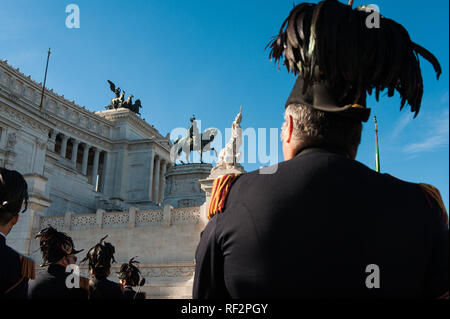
{"points": [[45, 79], [377, 154]]}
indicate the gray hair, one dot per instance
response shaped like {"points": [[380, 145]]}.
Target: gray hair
{"points": [[312, 127]]}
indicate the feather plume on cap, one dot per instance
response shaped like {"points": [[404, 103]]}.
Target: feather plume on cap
{"points": [[100, 257], [55, 245], [130, 272], [330, 43]]}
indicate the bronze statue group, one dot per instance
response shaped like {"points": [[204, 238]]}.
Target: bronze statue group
{"points": [[314, 226]]}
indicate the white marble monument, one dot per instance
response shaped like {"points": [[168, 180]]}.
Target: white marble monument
{"points": [[96, 173]]}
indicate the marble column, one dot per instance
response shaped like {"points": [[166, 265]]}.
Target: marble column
{"points": [[64, 146], [150, 182], [156, 181], [163, 181], [95, 168], [52, 140], [105, 169], [75, 144], [85, 159]]}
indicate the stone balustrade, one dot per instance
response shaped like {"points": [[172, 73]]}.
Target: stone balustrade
{"points": [[132, 218]]}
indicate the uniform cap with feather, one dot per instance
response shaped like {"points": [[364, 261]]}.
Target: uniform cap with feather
{"points": [[130, 272], [338, 59], [55, 245], [13, 192], [100, 256]]}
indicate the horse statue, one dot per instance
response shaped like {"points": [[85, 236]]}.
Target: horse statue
{"points": [[193, 142], [128, 103], [136, 106]]}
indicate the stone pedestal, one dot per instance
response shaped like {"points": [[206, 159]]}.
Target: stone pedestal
{"points": [[207, 183], [183, 187], [21, 235]]}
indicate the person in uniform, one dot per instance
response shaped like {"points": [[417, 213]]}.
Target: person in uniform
{"points": [[99, 258], [58, 252], [15, 269], [130, 276], [320, 224]]}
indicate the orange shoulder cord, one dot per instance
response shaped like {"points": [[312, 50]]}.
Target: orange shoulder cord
{"points": [[84, 283], [221, 188], [27, 270]]}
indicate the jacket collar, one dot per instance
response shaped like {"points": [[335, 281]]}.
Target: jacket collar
{"points": [[2, 239], [97, 281], [321, 149], [57, 270]]}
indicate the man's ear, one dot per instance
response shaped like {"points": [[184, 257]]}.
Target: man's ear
{"points": [[290, 128], [14, 220]]}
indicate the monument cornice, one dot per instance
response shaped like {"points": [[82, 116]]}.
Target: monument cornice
{"points": [[60, 113], [126, 114], [82, 134], [45, 125], [22, 117], [48, 95]]}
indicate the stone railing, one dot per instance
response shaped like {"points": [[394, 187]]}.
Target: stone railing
{"points": [[149, 217], [54, 221], [132, 218], [186, 215]]}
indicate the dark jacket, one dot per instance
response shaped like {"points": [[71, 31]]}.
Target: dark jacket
{"points": [[313, 228], [52, 285], [12, 284], [105, 289], [129, 293]]}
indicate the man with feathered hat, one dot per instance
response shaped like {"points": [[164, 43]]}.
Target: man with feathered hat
{"points": [[130, 276], [322, 225], [58, 252], [99, 258], [15, 269]]}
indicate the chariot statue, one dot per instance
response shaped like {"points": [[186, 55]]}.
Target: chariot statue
{"points": [[119, 100]]}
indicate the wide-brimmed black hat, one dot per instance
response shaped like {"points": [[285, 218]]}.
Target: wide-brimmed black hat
{"points": [[340, 54], [55, 245]]}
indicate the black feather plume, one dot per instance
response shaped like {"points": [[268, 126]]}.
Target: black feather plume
{"points": [[100, 257], [330, 41]]}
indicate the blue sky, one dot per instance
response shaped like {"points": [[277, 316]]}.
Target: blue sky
{"points": [[207, 58]]}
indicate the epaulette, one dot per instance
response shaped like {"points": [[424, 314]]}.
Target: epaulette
{"points": [[433, 192], [220, 190], [27, 271], [27, 267], [84, 283]]}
